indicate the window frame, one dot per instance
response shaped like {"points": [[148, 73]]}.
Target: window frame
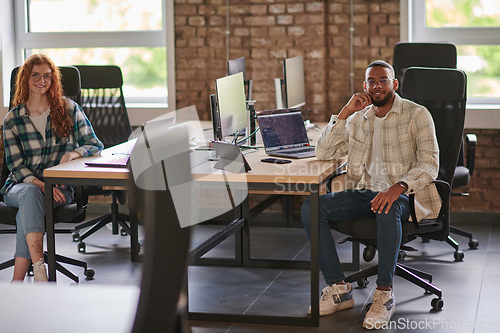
{"points": [[26, 40], [417, 31]]}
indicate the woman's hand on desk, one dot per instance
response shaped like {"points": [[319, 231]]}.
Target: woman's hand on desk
{"points": [[70, 157], [56, 193]]}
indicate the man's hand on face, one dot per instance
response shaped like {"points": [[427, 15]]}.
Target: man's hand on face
{"points": [[358, 102]]}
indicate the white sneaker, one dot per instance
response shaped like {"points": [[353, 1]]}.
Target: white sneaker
{"points": [[39, 271], [335, 298], [381, 310]]}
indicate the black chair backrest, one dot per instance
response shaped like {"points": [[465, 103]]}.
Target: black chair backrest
{"points": [[70, 80], [435, 55], [103, 102], [443, 93], [5, 173]]}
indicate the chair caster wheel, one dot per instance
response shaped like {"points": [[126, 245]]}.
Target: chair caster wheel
{"points": [[30, 271], [123, 232], [401, 254], [437, 304], [425, 240], [458, 255], [473, 244], [81, 247], [76, 236], [368, 306], [362, 283], [89, 273]]}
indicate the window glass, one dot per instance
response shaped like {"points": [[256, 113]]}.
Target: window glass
{"points": [[482, 65], [94, 15], [462, 13], [144, 69]]}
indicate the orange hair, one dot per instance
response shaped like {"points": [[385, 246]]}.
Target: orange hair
{"points": [[60, 119]]}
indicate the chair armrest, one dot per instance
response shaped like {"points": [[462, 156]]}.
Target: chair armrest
{"points": [[470, 144], [444, 190], [331, 178]]}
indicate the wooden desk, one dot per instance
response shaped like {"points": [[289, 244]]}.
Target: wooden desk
{"points": [[300, 177], [303, 177], [77, 173]]}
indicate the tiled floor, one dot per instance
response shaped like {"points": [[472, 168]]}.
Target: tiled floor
{"points": [[470, 288]]}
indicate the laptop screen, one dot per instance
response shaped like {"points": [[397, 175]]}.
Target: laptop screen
{"points": [[284, 130]]}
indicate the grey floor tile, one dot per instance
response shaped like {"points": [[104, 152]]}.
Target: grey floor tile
{"points": [[488, 314]]}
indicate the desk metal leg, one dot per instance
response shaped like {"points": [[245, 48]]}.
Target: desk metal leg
{"points": [[134, 234], [51, 241], [314, 255]]}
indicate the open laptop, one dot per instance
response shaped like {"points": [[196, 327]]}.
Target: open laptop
{"points": [[285, 135], [154, 127]]}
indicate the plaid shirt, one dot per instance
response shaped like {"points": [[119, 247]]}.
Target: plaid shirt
{"points": [[410, 152], [27, 154]]}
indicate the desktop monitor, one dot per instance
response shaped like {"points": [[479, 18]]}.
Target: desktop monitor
{"points": [[231, 104], [235, 66], [294, 83]]}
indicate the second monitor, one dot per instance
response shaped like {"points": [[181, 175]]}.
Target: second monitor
{"points": [[290, 92], [233, 116]]}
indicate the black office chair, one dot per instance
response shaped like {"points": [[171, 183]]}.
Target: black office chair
{"points": [[103, 102], [238, 65], [442, 91], [440, 55], [74, 212]]}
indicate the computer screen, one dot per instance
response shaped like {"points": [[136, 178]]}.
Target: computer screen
{"points": [[293, 70], [283, 130], [235, 66], [231, 103]]}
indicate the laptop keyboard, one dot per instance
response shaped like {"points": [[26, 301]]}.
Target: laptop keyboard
{"points": [[303, 150]]}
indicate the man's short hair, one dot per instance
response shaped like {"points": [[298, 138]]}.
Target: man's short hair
{"points": [[382, 64]]}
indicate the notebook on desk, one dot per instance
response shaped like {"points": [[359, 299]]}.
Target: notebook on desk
{"points": [[152, 131], [112, 161], [285, 135]]}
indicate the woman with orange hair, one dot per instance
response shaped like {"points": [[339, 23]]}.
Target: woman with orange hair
{"points": [[42, 130]]}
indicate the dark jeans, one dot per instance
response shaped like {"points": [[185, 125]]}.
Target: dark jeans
{"points": [[341, 206]]}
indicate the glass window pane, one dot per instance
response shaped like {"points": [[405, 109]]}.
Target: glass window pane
{"points": [[482, 65], [94, 15], [462, 13], [144, 69]]}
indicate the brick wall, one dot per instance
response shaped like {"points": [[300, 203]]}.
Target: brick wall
{"points": [[267, 31]]}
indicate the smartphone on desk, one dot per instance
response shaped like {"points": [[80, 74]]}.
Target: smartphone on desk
{"points": [[276, 160]]}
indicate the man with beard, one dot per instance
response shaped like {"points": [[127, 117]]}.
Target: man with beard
{"points": [[392, 151]]}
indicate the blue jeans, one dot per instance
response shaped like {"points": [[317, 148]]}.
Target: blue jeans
{"points": [[31, 215], [342, 206]]}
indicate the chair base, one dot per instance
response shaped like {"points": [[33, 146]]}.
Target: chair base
{"points": [[114, 217], [89, 272], [410, 274]]}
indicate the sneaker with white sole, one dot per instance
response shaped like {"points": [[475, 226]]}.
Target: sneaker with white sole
{"points": [[335, 298], [39, 271], [381, 310]]}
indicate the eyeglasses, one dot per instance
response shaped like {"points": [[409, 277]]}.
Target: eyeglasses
{"points": [[383, 81], [37, 77]]}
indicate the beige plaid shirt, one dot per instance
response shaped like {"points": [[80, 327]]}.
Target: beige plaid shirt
{"points": [[410, 151]]}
